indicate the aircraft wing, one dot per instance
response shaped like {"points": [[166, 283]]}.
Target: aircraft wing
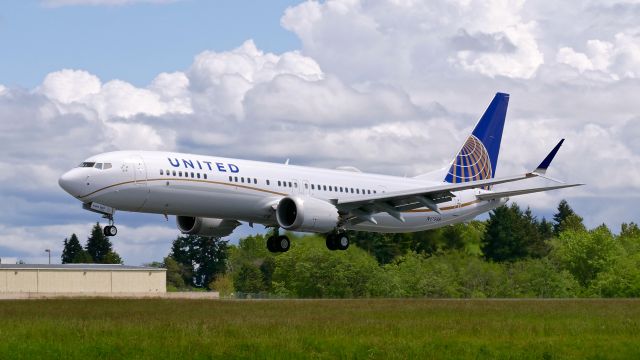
{"points": [[503, 194], [394, 203]]}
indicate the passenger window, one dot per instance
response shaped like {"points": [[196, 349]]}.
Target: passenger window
{"points": [[267, 182], [357, 191], [161, 172], [374, 192], [352, 190], [255, 181], [179, 173], [242, 180], [279, 183], [290, 184], [312, 187], [340, 188], [306, 186], [205, 175], [174, 173], [106, 166], [230, 178], [368, 191], [193, 175], [236, 179], [295, 185], [324, 187], [198, 175], [330, 188]]}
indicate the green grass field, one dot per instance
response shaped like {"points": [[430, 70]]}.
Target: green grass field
{"points": [[381, 329]]}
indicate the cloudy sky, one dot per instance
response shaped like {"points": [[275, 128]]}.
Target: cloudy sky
{"points": [[391, 87]]}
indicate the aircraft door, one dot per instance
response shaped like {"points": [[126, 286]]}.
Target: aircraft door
{"points": [[139, 170]]}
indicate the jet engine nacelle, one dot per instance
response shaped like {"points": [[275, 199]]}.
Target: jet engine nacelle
{"points": [[306, 214], [205, 226]]}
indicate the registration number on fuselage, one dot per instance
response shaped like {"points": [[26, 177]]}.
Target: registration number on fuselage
{"points": [[433, 219]]}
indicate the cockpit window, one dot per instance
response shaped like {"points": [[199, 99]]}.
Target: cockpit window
{"points": [[87, 164], [106, 166], [98, 166]]}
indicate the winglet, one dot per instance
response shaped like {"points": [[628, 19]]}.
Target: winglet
{"points": [[542, 168]]}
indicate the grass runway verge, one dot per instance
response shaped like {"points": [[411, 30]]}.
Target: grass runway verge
{"points": [[324, 329]]}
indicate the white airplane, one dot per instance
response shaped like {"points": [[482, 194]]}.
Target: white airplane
{"points": [[210, 195]]}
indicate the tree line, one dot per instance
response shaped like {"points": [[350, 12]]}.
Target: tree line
{"points": [[511, 254]]}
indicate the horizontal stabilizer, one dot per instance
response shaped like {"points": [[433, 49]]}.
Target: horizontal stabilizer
{"points": [[503, 194]]}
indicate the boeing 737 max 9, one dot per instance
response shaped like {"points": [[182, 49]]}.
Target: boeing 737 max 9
{"points": [[210, 195]]}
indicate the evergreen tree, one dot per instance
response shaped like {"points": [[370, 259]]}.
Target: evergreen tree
{"points": [[536, 244], [546, 229], [82, 257], [71, 249], [564, 211], [98, 245], [112, 258], [512, 234]]}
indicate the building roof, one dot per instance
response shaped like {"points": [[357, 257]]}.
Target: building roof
{"points": [[79, 267]]}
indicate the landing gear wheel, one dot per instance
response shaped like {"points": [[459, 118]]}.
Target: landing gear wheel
{"points": [[283, 243], [342, 241], [332, 242], [110, 230], [271, 244]]}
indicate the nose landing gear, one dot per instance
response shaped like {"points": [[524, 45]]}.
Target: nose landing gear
{"points": [[107, 213], [110, 230]]}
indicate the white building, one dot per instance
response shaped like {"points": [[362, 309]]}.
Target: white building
{"points": [[81, 279]]}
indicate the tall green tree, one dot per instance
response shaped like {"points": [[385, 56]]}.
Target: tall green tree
{"points": [[248, 279], [566, 218], [630, 238], [174, 273], [71, 249], [202, 258], [512, 234], [98, 246]]}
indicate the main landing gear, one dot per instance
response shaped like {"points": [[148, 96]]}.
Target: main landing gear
{"points": [[278, 243], [337, 241]]}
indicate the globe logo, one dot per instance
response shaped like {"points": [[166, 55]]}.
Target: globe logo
{"points": [[471, 164]]}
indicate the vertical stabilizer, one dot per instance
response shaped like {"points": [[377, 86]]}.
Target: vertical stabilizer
{"points": [[478, 156]]}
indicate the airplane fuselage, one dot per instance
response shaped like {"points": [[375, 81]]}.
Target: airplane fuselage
{"points": [[214, 187]]}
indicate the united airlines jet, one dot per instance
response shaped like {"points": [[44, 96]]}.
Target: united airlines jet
{"points": [[211, 195]]}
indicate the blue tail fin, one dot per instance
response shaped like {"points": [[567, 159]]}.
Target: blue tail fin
{"points": [[478, 157]]}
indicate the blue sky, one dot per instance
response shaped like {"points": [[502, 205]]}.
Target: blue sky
{"points": [[133, 42], [390, 87]]}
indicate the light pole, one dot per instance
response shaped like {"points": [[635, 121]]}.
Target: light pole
{"points": [[48, 251]]}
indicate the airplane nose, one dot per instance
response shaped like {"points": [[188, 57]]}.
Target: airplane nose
{"points": [[71, 182]]}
